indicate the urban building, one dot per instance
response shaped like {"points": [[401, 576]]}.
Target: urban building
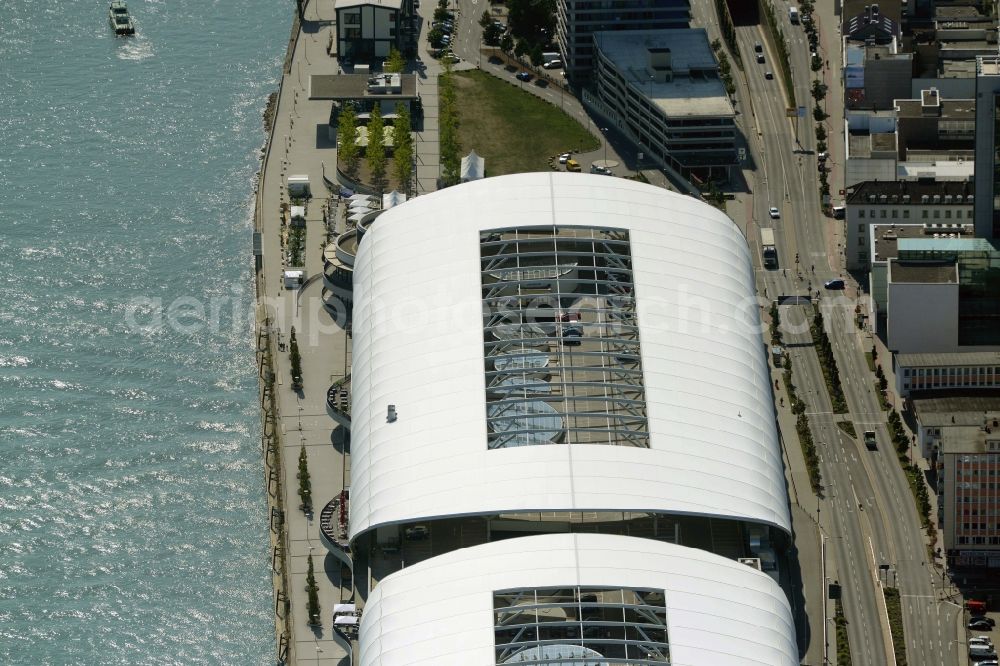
{"points": [[662, 88], [961, 436], [937, 294], [987, 149], [561, 368], [875, 76], [904, 203], [578, 20], [577, 599], [865, 21], [956, 372], [368, 29], [931, 128], [364, 92]]}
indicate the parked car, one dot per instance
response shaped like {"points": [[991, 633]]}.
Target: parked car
{"points": [[834, 284], [569, 317], [564, 157], [553, 64], [980, 625], [992, 622], [523, 76], [572, 165], [450, 57], [980, 640], [774, 212]]}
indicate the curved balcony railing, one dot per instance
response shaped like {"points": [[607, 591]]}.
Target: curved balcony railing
{"points": [[338, 401], [333, 528]]}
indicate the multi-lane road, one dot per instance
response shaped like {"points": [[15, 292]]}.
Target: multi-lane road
{"points": [[867, 516]]}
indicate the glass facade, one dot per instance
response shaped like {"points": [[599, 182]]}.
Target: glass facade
{"points": [[561, 339], [589, 626]]}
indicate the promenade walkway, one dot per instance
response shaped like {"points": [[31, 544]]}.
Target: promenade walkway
{"points": [[299, 146]]}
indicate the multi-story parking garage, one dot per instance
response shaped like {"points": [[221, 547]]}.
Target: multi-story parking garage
{"points": [[561, 359]]}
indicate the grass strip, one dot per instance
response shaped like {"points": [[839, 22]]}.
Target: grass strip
{"points": [[895, 611]]}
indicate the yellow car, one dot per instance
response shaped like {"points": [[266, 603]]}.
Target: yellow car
{"points": [[572, 165]]}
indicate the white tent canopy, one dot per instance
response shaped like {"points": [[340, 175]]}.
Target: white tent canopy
{"points": [[391, 199], [361, 203], [473, 167], [343, 608], [346, 620], [357, 217], [361, 197]]}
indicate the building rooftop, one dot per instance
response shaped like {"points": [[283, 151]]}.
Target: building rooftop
{"points": [[988, 65], [941, 408], [948, 359], [528, 384], [361, 86], [915, 189], [887, 238], [699, 94], [941, 170], [912, 272], [388, 4], [863, 144], [967, 439], [944, 109], [889, 8], [470, 606]]}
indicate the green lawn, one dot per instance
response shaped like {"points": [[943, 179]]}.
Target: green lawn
{"points": [[514, 130]]}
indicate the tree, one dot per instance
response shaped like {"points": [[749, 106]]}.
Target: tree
{"points": [[305, 483], [520, 48], [507, 43], [716, 44], [818, 114], [295, 359], [485, 20], [394, 63], [312, 604], [347, 135], [818, 90], [402, 139], [448, 121], [375, 153], [536, 55], [532, 20]]}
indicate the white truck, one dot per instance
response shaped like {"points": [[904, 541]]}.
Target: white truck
{"points": [[768, 249], [793, 14]]}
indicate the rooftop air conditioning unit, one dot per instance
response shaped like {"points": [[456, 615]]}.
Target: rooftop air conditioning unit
{"points": [[753, 562]]}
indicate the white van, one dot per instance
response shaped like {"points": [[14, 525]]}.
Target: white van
{"points": [[838, 212]]}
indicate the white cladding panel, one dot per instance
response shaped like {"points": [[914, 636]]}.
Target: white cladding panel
{"points": [[418, 344]]}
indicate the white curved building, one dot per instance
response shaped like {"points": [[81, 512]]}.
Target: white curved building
{"points": [[590, 599], [559, 344]]}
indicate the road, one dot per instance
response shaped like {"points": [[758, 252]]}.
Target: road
{"points": [[867, 514]]}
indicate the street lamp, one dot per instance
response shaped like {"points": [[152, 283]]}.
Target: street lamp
{"points": [[605, 131]]}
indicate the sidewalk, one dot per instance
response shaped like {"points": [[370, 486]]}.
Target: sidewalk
{"points": [[299, 146]]}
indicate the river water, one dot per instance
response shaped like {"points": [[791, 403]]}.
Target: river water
{"points": [[133, 525]]}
